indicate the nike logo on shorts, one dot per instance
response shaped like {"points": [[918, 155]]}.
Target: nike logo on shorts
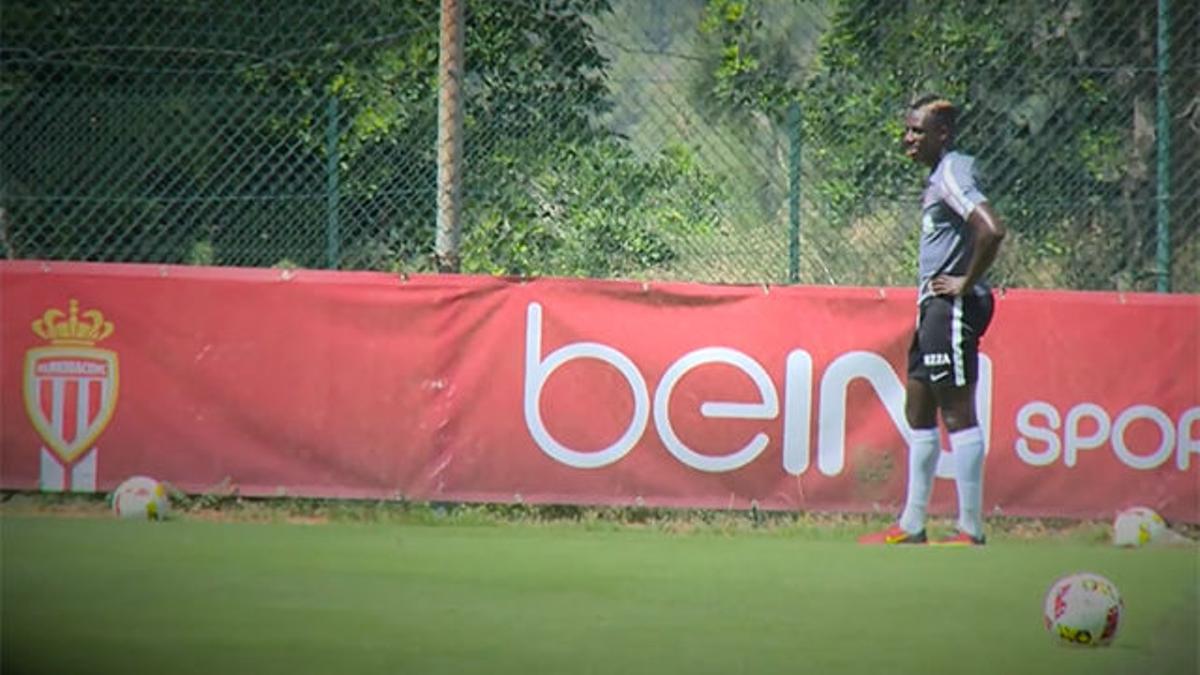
{"points": [[934, 377]]}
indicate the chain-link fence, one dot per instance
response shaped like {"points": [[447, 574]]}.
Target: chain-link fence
{"points": [[704, 140]]}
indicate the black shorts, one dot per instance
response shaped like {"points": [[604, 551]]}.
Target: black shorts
{"points": [[945, 346]]}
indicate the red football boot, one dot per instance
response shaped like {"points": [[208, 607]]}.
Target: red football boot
{"points": [[960, 538], [893, 535]]}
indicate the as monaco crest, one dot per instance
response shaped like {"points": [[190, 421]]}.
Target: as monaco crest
{"points": [[70, 394]]}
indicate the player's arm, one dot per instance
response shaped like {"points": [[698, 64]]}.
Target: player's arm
{"points": [[988, 232]]}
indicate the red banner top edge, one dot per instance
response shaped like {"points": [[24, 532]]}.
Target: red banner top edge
{"points": [[616, 286]]}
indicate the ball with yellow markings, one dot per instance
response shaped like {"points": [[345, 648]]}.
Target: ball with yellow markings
{"points": [[141, 498], [1083, 609]]}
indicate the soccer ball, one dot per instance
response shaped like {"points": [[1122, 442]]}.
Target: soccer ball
{"points": [[1083, 609], [141, 498], [1137, 526]]}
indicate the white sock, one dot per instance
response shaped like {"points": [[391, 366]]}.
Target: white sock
{"points": [[967, 445], [922, 462]]}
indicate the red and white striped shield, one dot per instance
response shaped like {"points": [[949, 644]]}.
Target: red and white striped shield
{"points": [[70, 395]]}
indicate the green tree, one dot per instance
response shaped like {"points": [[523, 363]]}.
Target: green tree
{"points": [[244, 135], [1059, 102]]}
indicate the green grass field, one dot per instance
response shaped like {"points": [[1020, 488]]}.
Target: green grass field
{"points": [[94, 595]]}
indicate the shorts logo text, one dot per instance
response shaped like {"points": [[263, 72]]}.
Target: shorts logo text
{"points": [[938, 359]]}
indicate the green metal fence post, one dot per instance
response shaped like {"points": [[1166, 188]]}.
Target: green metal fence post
{"points": [[1163, 136], [794, 193], [332, 226]]}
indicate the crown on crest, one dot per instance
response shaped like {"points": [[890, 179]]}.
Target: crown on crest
{"points": [[74, 328]]}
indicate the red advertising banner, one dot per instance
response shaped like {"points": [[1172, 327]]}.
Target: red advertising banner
{"points": [[460, 388]]}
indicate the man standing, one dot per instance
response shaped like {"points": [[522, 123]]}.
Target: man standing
{"points": [[960, 236]]}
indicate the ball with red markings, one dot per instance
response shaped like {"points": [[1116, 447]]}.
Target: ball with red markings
{"points": [[141, 498], [1083, 609]]}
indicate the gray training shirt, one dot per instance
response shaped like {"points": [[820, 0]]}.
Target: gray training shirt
{"points": [[946, 243]]}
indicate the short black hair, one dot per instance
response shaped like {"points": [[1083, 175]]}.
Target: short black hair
{"points": [[941, 108]]}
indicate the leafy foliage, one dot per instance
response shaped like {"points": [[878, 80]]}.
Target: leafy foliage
{"points": [[602, 137], [592, 210], [1056, 108], [341, 115]]}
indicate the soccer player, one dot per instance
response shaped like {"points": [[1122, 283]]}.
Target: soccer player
{"points": [[960, 236]]}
